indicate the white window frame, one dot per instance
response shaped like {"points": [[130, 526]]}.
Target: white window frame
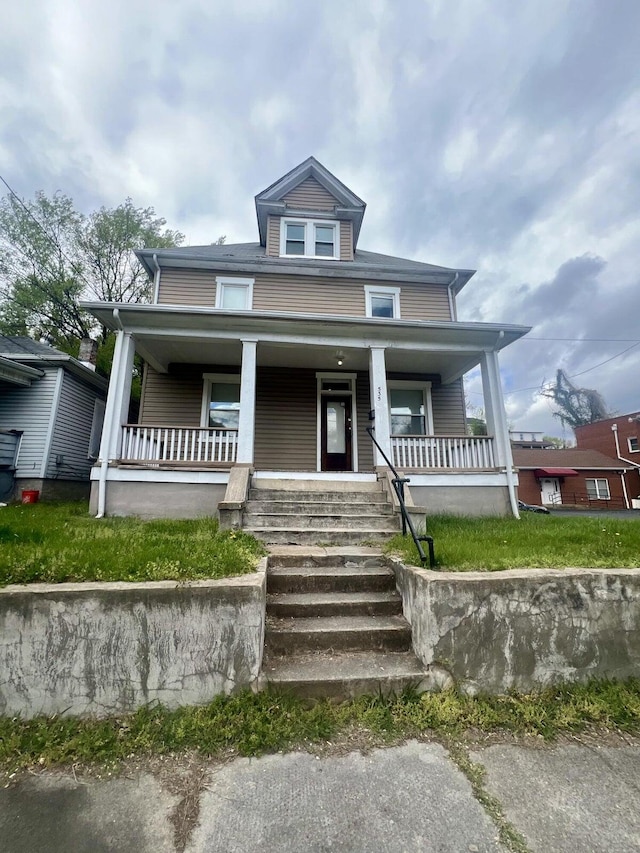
{"points": [[598, 496], [233, 281], [371, 290], [407, 385], [635, 449], [207, 380], [310, 237]]}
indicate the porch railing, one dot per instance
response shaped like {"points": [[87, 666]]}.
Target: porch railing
{"points": [[178, 445], [442, 451]]}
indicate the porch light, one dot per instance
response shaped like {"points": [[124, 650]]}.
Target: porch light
{"points": [[340, 358]]}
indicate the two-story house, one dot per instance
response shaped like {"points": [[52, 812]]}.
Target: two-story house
{"points": [[619, 438], [265, 362]]}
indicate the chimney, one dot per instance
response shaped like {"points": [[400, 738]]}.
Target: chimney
{"points": [[88, 353]]}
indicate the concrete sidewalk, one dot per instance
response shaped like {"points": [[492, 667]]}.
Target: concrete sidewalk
{"points": [[581, 798]]}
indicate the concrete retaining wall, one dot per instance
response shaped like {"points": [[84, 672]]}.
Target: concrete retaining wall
{"points": [[462, 500], [159, 500], [100, 649], [524, 629]]}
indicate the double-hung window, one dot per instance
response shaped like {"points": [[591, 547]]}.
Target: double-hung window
{"points": [[310, 238], [633, 445], [221, 401], [383, 302], [598, 489], [410, 408], [234, 294]]}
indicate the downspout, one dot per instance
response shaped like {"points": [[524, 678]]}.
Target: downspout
{"points": [[156, 279], [452, 303], [614, 430], [104, 463]]}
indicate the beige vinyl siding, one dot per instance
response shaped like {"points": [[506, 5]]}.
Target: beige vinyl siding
{"points": [[305, 294], [310, 195], [286, 420], [346, 240], [447, 402], [187, 287], [363, 407], [424, 302], [172, 399], [273, 236]]}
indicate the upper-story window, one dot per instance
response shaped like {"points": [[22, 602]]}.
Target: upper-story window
{"points": [[633, 445], [234, 294], [309, 238], [382, 301]]}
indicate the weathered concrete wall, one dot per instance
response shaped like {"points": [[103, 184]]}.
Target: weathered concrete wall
{"points": [[462, 500], [159, 500], [53, 490], [524, 629], [107, 648]]}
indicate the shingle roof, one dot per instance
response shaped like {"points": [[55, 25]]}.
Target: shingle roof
{"points": [[571, 458], [254, 251], [15, 346]]}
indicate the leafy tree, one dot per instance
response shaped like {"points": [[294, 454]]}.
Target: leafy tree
{"points": [[51, 257], [577, 406], [557, 443]]}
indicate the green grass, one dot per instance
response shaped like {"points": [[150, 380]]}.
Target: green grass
{"points": [[53, 543], [252, 724], [535, 541]]}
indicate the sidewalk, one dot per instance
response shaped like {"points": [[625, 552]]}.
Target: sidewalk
{"points": [[577, 797]]}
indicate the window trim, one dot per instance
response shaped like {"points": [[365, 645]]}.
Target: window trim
{"points": [[598, 496], [234, 281], [394, 292], [310, 237], [408, 385], [635, 449], [208, 379]]}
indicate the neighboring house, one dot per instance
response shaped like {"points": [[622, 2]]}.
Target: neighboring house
{"points": [[528, 440], [570, 477], [619, 438], [273, 356], [51, 408]]}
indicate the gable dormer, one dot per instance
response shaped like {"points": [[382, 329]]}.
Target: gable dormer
{"points": [[309, 213]]}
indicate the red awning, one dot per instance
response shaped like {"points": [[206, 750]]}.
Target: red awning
{"points": [[555, 472]]}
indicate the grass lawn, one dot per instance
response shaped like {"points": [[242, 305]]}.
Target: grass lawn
{"points": [[251, 724], [54, 542], [535, 541]]}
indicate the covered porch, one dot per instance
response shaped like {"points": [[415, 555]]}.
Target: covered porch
{"points": [[293, 395]]}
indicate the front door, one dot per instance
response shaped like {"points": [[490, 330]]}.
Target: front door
{"points": [[550, 491], [336, 434]]}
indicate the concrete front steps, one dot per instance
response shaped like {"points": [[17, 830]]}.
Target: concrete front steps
{"points": [[335, 627], [319, 512]]}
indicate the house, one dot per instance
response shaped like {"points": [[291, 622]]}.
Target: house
{"points": [[528, 440], [265, 363], [619, 438], [573, 477], [51, 408]]}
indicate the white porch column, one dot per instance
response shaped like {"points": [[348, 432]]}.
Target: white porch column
{"points": [[380, 403], [117, 407], [246, 426], [497, 420]]}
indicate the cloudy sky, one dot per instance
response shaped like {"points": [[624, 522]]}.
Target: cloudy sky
{"points": [[488, 134]]}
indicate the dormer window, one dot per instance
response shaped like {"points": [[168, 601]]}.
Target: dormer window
{"points": [[308, 238]]}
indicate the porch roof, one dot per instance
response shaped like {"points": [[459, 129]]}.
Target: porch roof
{"points": [[175, 333]]}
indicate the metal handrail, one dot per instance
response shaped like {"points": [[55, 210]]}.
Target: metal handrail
{"points": [[398, 485]]}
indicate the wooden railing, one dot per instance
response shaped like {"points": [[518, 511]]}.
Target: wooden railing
{"points": [[179, 445], [442, 451]]}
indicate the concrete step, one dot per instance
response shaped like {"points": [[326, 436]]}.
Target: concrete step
{"points": [[284, 556], [318, 536], [307, 604], [340, 497], [339, 633], [345, 675], [330, 578], [296, 507], [325, 521]]}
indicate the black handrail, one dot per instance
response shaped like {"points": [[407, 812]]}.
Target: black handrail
{"points": [[398, 485]]}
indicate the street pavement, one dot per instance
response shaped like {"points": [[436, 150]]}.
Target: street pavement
{"points": [[569, 798]]}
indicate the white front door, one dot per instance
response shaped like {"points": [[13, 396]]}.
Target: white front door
{"points": [[550, 490]]}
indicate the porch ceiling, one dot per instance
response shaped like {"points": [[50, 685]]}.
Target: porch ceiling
{"points": [[173, 334]]}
